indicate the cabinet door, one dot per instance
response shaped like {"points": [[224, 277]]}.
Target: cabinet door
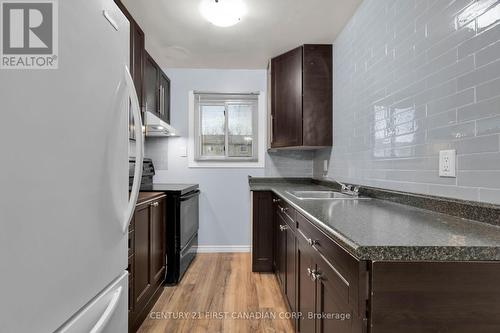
{"points": [[142, 269], [317, 95], [157, 258], [306, 287], [291, 270], [331, 303], [150, 92], [262, 231], [286, 91], [164, 97], [281, 252], [137, 57]]}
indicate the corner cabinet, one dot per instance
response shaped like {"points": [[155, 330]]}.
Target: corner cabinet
{"points": [[335, 292], [302, 98], [147, 257]]}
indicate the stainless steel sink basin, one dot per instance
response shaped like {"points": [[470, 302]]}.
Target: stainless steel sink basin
{"points": [[323, 195]]}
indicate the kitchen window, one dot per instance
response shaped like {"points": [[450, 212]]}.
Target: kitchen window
{"points": [[226, 127]]}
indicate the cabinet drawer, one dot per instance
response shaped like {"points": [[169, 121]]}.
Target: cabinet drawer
{"points": [[289, 214], [343, 269]]}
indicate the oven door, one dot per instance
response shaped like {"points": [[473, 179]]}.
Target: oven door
{"points": [[189, 217]]}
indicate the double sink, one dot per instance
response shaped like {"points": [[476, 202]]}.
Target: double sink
{"points": [[324, 195]]}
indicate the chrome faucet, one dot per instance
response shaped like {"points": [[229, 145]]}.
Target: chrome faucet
{"points": [[348, 189]]}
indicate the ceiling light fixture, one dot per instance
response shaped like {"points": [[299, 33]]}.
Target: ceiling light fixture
{"points": [[223, 13]]}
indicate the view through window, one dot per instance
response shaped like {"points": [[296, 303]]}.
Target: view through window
{"points": [[227, 126]]}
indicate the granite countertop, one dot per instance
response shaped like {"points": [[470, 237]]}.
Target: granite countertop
{"points": [[381, 230]]}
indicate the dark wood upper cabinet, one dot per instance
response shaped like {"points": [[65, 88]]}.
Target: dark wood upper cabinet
{"points": [[164, 99], [301, 98], [137, 41], [150, 86], [317, 92], [156, 89], [287, 99], [137, 44]]}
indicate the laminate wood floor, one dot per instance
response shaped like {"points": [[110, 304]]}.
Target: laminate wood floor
{"points": [[219, 293]]}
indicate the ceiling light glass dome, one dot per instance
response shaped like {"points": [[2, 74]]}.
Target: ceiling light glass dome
{"points": [[223, 13]]}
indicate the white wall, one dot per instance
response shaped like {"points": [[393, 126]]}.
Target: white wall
{"points": [[225, 199]]}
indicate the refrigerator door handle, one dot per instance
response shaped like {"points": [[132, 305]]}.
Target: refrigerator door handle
{"points": [[110, 309], [139, 149]]}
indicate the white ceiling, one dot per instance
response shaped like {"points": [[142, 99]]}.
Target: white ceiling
{"points": [[178, 36]]}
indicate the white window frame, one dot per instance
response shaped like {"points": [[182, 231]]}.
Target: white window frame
{"points": [[222, 162]]}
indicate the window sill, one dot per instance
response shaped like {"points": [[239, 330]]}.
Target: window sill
{"points": [[226, 164]]}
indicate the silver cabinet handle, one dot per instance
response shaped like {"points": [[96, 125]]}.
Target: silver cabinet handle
{"points": [[283, 209], [139, 150], [309, 272], [276, 200], [316, 275], [312, 242], [283, 227], [155, 204]]}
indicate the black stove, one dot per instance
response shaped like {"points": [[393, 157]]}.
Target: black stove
{"points": [[182, 219]]}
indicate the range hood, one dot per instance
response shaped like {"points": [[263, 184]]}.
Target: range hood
{"points": [[156, 127]]}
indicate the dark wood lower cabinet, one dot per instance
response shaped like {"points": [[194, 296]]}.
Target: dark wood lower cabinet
{"points": [[415, 297], [147, 258], [336, 293], [281, 252], [291, 269], [306, 286], [157, 244], [334, 312], [262, 233]]}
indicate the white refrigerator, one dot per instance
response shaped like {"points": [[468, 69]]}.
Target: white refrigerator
{"points": [[64, 197]]}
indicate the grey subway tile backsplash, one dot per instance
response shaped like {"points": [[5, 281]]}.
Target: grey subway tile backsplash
{"points": [[480, 75], [489, 195], [452, 132], [486, 179], [488, 54], [479, 144], [488, 126], [451, 102], [482, 109], [488, 90], [413, 77]]}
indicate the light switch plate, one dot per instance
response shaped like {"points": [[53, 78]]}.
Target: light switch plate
{"points": [[447, 163]]}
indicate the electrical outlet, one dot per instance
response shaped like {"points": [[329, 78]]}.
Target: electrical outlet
{"points": [[325, 165], [447, 163]]}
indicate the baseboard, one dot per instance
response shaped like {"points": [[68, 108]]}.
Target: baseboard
{"points": [[223, 248]]}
